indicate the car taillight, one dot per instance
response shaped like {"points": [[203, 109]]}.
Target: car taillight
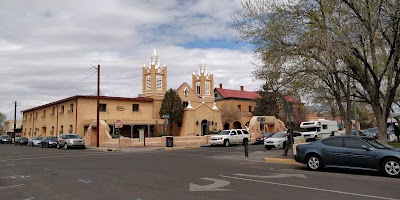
{"points": [[297, 148]]}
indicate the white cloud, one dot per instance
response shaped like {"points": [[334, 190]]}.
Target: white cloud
{"points": [[46, 47]]}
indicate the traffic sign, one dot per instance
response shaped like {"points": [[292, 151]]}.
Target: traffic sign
{"points": [[118, 123], [165, 116]]}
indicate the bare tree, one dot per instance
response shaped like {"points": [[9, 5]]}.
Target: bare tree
{"points": [[334, 44], [229, 114]]}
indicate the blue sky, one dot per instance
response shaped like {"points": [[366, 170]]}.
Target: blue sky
{"points": [[46, 47]]}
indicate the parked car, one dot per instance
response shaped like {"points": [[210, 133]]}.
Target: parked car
{"points": [[50, 141], [279, 139], [70, 140], [228, 137], [5, 139], [263, 136], [21, 141], [35, 141], [371, 132], [350, 152]]}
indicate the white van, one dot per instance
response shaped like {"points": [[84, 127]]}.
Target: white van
{"points": [[319, 129]]}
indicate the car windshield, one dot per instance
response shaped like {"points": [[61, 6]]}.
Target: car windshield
{"points": [[52, 138], [377, 144], [6, 136], [23, 138], [312, 129], [37, 138], [279, 135], [72, 136], [371, 130], [224, 133], [266, 134]]}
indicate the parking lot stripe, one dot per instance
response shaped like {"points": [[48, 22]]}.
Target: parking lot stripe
{"points": [[309, 188], [60, 156], [11, 186]]}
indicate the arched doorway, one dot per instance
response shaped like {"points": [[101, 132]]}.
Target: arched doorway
{"points": [[204, 127], [237, 125], [226, 126]]}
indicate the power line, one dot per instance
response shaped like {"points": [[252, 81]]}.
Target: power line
{"points": [[76, 84]]}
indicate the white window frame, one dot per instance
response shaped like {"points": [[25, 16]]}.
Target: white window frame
{"points": [[198, 88], [207, 88], [159, 83], [148, 83]]}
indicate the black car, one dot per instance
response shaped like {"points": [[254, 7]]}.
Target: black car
{"points": [[350, 152], [21, 141], [50, 141], [5, 139]]}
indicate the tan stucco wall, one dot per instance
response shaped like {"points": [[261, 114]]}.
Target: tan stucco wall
{"points": [[192, 119], [244, 114]]}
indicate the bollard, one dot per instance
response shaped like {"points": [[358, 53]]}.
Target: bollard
{"points": [[246, 148]]}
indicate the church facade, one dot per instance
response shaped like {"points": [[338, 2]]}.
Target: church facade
{"points": [[75, 114]]}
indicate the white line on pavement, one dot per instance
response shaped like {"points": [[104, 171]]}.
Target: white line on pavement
{"points": [[61, 156], [11, 186], [47, 154], [309, 188]]}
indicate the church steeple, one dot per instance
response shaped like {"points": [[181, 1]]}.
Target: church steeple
{"points": [[154, 77], [203, 83], [155, 59]]}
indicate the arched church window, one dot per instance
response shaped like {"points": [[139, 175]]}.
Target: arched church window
{"points": [[207, 88], [198, 88], [159, 83], [148, 83], [185, 92]]}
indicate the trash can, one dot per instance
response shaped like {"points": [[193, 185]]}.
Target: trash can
{"points": [[170, 141]]}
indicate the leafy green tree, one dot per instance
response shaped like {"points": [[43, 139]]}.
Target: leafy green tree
{"points": [[172, 106]]}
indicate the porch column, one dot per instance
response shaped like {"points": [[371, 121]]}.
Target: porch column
{"points": [[132, 131], [148, 130]]}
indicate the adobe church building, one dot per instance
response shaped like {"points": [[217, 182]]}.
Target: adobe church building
{"points": [[77, 114]]}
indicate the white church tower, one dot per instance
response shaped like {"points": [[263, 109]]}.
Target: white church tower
{"points": [[154, 77]]}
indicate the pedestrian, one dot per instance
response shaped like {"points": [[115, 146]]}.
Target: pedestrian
{"points": [[288, 142], [397, 132]]}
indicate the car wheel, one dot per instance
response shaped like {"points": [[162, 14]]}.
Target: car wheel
{"points": [[268, 148], [65, 146], [314, 162], [391, 167], [58, 146], [226, 143]]}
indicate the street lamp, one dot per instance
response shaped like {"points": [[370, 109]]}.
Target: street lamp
{"points": [[354, 91], [98, 101]]}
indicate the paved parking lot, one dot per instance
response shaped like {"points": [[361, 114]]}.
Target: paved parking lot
{"points": [[203, 173]]}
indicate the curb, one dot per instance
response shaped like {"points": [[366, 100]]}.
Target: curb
{"points": [[107, 149], [282, 161], [178, 148]]}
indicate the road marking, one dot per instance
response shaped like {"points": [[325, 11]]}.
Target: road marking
{"points": [[8, 165], [11, 186], [30, 198], [273, 175], [83, 181], [16, 176], [61, 156], [211, 187], [310, 188]]}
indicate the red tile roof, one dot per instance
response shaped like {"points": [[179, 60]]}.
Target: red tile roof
{"points": [[227, 93]]}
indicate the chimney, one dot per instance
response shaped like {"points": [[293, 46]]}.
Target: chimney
{"points": [[220, 86], [241, 88]]}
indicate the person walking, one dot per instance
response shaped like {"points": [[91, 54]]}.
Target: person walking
{"points": [[288, 142]]}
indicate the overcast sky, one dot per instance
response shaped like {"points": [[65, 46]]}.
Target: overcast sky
{"points": [[46, 47]]}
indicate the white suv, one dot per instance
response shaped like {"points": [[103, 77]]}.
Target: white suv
{"points": [[228, 137]]}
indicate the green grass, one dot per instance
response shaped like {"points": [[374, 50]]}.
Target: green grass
{"points": [[394, 144]]}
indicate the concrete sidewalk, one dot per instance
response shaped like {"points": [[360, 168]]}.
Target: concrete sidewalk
{"points": [[282, 159]]}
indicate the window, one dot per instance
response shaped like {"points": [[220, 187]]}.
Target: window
{"points": [[71, 107], [245, 132], [135, 107], [353, 143], [159, 83], [185, 104], [62, 110], [61, 129], [198, 88], [52, 130], [233, 133], [185, 92], [70, 129], [335, 142], [240, 107], [103, 108], [53, 111], [148, 83], [249, 108], [324, 126], [207, 88], [239, 132]]}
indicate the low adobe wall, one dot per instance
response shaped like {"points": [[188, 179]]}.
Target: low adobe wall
{"points": [[158, 141]]}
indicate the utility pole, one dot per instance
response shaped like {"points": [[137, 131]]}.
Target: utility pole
{"points": [[15, 118], [98, 106]]}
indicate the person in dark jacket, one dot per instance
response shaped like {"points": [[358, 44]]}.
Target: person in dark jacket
{"points": [[288, 142]]}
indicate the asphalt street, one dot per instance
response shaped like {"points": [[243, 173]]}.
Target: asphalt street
{"points": [[28, 173]]}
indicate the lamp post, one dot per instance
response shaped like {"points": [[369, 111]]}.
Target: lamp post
{"points": [[98, 103], [354, 91]]}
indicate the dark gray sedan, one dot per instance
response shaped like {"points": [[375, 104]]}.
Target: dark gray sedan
{"points": [[350, 152]]}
